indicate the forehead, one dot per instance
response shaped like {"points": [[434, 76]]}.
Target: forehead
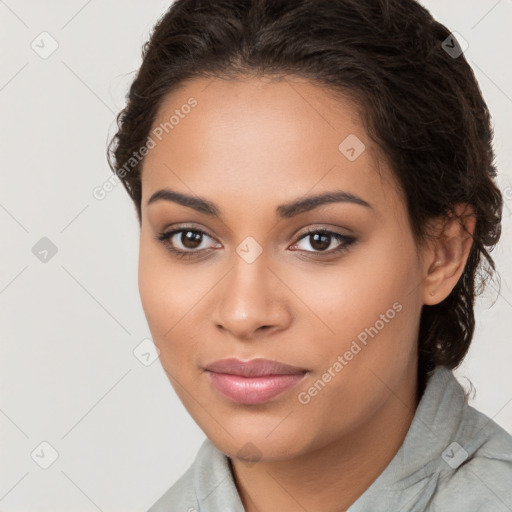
{"points": [[261, 138]]}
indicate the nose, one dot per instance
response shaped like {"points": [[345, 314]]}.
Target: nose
{"points": [[251, 302]]}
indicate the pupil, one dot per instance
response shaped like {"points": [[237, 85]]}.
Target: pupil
{"points": [[320, 241], [191, 239]]}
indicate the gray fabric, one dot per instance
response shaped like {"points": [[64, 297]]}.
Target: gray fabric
{"points": [[453, 458]]}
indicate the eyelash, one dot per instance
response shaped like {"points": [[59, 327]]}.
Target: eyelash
{"points": [[164, 238]]}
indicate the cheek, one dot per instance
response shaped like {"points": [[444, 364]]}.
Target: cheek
{"points": [[162, 290], [368, 297], [171, 294], [368, 304], [152, 285]]}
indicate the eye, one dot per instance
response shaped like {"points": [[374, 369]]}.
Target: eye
{"points": [[322, 241], [185, 241], [189, 242]]}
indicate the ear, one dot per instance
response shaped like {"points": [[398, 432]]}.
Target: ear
{"points": [[447, 254]]}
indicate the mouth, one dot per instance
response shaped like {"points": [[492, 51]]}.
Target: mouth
{"points": [[255, 381]]}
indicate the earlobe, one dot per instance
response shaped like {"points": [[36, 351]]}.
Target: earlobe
{"points": [[451, 246]]}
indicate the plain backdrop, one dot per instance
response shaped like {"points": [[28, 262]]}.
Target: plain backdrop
{"points": [[73, 376]]}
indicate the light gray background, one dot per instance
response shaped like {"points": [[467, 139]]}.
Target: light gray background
{"points": [[69, 326]]}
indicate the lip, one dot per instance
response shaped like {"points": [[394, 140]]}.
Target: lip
{"points": [[255, 381], [254, 368]]}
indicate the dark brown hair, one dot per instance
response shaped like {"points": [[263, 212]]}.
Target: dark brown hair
{"points": [[420, 103]]}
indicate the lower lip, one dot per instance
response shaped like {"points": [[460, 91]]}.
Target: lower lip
{"points": [[253, 390]]}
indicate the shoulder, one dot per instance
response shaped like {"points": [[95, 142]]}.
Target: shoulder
{"points": [[477, 470], [182, 496], [179, 497], [206, 485]]}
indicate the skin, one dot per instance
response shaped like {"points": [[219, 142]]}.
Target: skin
{"points": [[249, 146]]}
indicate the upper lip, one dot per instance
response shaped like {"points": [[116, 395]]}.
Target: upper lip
{"points": [[253, 368]]}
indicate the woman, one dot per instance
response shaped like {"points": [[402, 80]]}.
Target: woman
{"points": [[314, 183]]}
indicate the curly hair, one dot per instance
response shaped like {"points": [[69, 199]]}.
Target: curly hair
{"points": [[419, 102]]}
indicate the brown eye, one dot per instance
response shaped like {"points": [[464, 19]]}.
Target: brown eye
{"points": [[323, 241], [191, 239], [187, 242], [320, 241]]}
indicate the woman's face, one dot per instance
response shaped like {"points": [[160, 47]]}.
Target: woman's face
{"points": [[343, 306]]}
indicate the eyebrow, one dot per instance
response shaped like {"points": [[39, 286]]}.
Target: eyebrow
{"points": [[286, 210]]}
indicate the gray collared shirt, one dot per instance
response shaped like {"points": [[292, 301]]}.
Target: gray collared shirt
{"points": [[453, 458]]}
